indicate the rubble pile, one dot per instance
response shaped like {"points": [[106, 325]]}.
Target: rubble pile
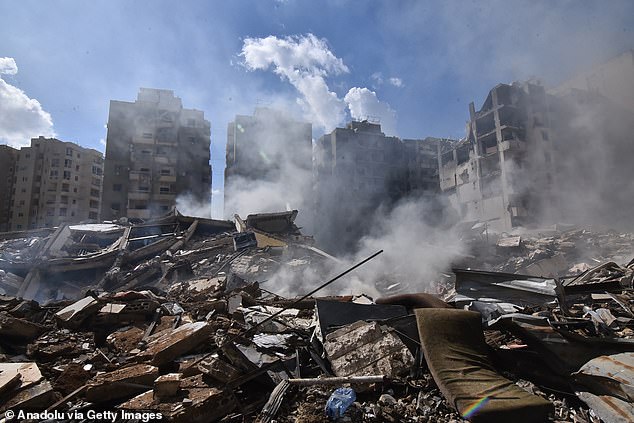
{"points": [[554, 253], [178, 317]]}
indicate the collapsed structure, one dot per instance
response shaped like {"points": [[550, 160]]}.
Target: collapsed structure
{"points": [[181, 316]]}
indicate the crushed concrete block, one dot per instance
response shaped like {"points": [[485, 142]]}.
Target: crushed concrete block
{"points": [[196, 402], [125, 339], [18, 376], [34, 398], [12, 327], [219, 369], [167, 345], [166, 386], [362, 349], [121, 383], [74, 314]]}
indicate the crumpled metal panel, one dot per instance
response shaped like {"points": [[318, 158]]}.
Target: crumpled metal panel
{"points": [[609, 409], [609, 375]]}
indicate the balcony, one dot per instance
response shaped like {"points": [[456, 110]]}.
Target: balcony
{"points": [[138, 195]]}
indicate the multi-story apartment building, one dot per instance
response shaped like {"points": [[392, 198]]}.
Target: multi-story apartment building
{"points": [[502, 172], [155, 151], [8, 156], [266, 147], [358, 168], [55, 182]]}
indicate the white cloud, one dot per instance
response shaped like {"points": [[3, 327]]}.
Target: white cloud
{"points": [[102, 142], [364, 104], [397, 82], [305, 61], [8, 66], [377, 77], [21, 117]]}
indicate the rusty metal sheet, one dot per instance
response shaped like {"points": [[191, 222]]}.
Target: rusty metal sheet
{"points": [[610, 375], [609, 409]]}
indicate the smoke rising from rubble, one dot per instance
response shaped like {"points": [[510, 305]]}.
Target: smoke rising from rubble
{"points": [[188, 205], [593, 163]]}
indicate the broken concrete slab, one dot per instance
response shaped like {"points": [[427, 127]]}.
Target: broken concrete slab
{"points": [[74, 314], [196, 402], [362, 349], [12, 327], [33, 398], [166, 386], [121, 383], [219, 369], [18, 376], [167, 345], [456, 353]]}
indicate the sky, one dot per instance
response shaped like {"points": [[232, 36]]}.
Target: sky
{"points": [[413, 65]]}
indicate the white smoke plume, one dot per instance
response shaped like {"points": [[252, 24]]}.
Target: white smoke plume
{"points": [[21, 117], [305, 62]]}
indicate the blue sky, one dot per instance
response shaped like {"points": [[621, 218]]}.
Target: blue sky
{"points": [[424, 60]]}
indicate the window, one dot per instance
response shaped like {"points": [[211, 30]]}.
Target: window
{"points": [[118, 169], [24, 179], [77, 168], [94, 204], [76, 178], [166, 172], [144, 188], [545, 135], [50, 212], [62, 212], [23, 189], [116, 187], [94, 193], [165, 189], [92, 215], [21, 202], [115, 206], [54, 174], [55, 163], [67, 174], [68, 163], [96, 182], [69, 152], [147, 135], [63, 199], [144, 169], [20, 214], [96, 170], [191, 122], [65, 187]]}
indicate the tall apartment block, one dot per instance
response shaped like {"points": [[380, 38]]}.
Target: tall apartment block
{"points": [[8, 157], [55, 182], [502, 172], [357, 168], [155, 151], [265, 147]]}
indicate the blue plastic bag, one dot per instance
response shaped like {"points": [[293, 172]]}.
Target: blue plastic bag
{"points": [[339, 402]]}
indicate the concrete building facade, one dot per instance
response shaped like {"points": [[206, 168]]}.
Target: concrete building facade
{"points": [[156, 151], [502, 172], [268, 146], [8, 157], [358, 168], [55, 182]]}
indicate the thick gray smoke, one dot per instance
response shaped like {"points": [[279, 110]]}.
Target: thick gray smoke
{"points": [[593, 153]]}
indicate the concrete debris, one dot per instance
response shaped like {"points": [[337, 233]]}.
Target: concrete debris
{"points": [[182, 317]]}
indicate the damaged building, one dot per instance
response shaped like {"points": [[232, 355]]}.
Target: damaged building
{"points": [[503, 171], [8, 156], [357, 168], [55, 182], [156, 150], [268, 147]]}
